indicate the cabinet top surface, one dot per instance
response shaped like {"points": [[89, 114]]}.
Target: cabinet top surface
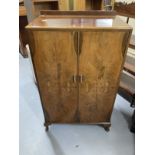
{"points": [[45, 22]]}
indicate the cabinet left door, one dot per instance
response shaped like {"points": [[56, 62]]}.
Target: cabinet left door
{"points": [[55, 64]]}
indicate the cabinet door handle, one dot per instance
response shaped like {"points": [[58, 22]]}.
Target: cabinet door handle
{"points": [[81, 78], [74, 78]]}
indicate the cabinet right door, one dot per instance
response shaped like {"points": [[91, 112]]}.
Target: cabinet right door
{"points": [[100, 62]]}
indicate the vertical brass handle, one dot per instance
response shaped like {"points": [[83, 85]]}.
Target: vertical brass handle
{"points": [[81, 78], [74, 78]]}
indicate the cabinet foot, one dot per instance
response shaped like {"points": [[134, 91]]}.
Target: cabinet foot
{"points": [[106, 127], [132, 129], [46, 127]]}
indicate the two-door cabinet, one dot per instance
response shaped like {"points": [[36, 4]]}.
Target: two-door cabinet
{"points": [[78, 57]]}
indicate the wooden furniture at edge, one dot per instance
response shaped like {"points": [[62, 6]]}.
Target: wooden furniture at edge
{"points": [[37, 5], [126, 10], [23, 37], [78, 57], [81, 5], [127, 82], [88, 5], [44, 5]]}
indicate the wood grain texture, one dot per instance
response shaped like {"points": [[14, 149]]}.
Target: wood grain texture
{"points": [[79, 6], [78, 69], [77, 22], [100, 65], [55, 64]]}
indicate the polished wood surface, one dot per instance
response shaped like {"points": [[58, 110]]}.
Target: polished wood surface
{"points": [[78, 66], [100, 71], [54, 58], [86, 21]]}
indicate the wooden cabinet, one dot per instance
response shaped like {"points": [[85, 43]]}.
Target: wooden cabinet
{"points": [[78, 59]]}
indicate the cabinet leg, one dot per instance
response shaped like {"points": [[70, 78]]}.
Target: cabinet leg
{"points": [[132, 129], [106, 127], [46, 127], [133, 101]]}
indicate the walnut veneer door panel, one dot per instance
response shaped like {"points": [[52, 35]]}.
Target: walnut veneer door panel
{"points": [[100, 62], [55, 63]]}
